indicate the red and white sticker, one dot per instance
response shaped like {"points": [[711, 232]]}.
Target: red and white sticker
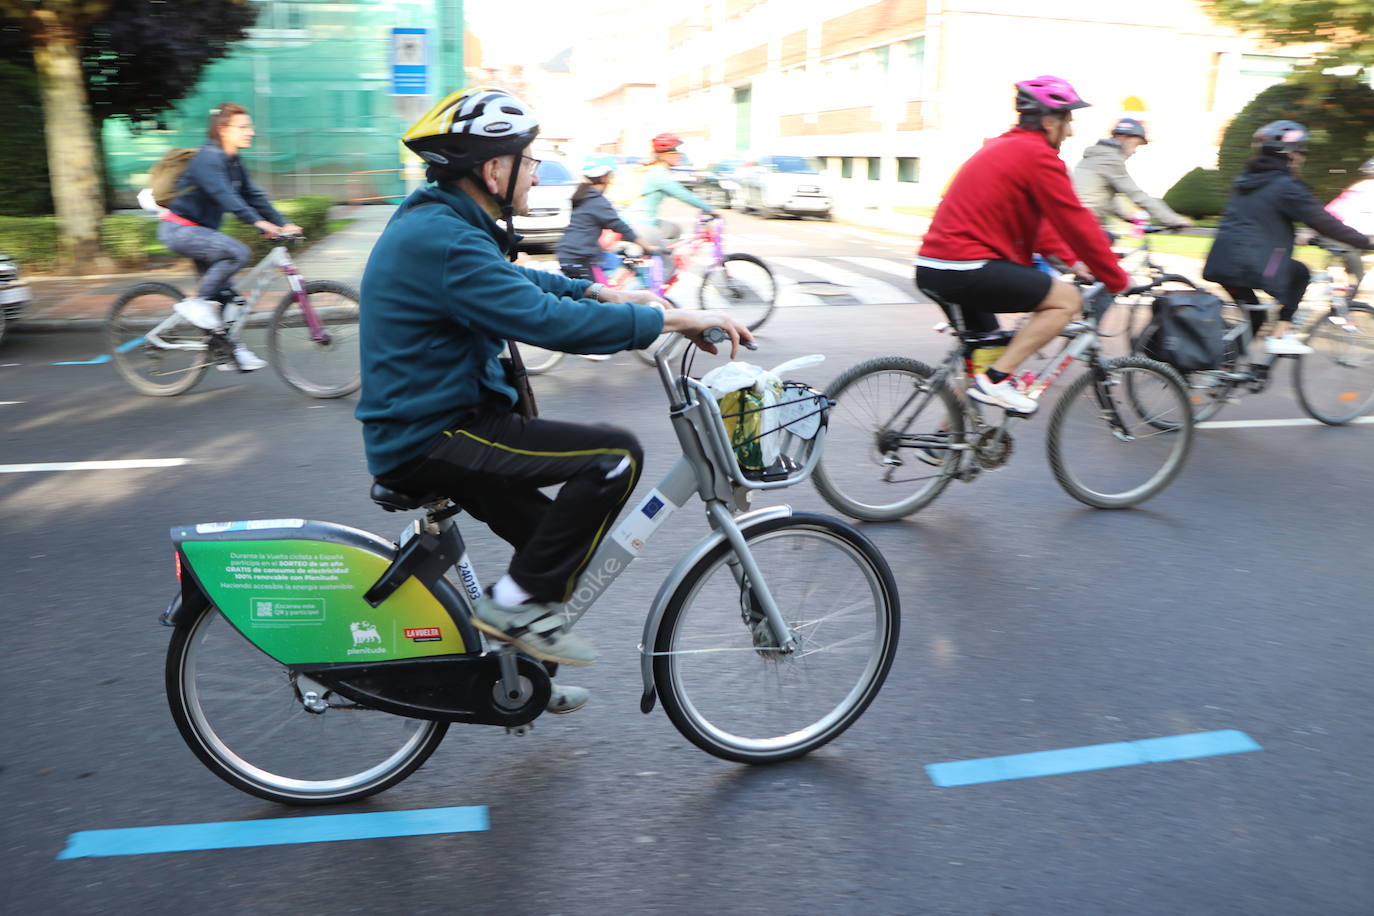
{"points": [[423, 634]]}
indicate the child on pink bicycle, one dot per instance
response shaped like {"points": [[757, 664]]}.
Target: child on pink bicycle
{"points": [[579, 250]]}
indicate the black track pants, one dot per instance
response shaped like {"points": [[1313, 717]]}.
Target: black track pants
{"points": [[493, 464]]}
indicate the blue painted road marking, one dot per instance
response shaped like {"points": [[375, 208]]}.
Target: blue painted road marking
{"points": [[273, 832], [1092, 757], [102, 358]]}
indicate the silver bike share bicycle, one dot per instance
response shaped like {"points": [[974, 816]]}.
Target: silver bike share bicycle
{"points": [[313, 663], [312, 334]]}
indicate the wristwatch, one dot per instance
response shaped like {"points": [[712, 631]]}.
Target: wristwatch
{"points": [[594, 292]]}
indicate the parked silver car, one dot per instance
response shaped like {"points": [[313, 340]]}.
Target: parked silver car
{"points": [[785, 184], [15, 294]]}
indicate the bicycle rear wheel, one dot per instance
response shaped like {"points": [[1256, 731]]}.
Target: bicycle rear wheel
{"points": [[1208, 390], [874, 466], [733, 696], [325, 368], [1120, 432], [538, 360], [1335, 383], [173, 359], [743, 286], [245, 716]]}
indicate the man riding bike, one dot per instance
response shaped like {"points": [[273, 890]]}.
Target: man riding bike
{"points": [[1010, 200], [1101, 175], [439, 300]]}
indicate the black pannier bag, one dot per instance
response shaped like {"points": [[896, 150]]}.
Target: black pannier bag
{"points": [[1187, 331]]}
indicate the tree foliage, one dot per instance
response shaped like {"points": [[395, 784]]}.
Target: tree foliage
{"points": [[1346, 27], [23, 148], [1339, 112]]}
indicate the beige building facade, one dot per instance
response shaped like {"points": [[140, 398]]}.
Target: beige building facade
{"points": [[894, 95]]}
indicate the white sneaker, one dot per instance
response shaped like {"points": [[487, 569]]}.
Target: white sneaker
{"points": [[536, 629], [565, 699], [247, 361], [1287, 345], [200, 312], [1003, 394]]}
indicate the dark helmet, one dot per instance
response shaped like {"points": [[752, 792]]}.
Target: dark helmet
{"points": [[1280, 138], [1129, 127]]}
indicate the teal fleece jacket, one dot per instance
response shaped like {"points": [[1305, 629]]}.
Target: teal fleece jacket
{"points": [[439, 301]]}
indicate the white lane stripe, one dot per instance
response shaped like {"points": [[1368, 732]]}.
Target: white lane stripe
{"points": [[898, 268], [867, 290], [8, 403], [1244, 424], [118, 465]]}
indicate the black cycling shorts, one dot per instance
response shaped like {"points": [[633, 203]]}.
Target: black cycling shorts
{"points": [[996, 287]]}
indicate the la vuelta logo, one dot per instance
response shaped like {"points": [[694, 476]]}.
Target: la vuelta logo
{"points": [[424, 634]]}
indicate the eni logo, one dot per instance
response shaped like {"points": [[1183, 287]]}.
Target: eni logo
{"points": [[364, 633]]}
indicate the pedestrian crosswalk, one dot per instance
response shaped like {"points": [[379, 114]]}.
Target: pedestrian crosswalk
{"points": [[821, 281]]}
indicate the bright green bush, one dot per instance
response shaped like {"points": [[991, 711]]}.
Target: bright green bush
{"points": [[310, 213], [1200, 193]]}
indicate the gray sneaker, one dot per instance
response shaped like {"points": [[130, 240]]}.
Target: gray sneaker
{"points": [[536, 629], [565, 699]]}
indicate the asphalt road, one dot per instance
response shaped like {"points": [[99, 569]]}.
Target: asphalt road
{"points": [[1238, 599]]}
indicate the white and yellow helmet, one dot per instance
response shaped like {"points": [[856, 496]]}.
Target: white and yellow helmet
{"points": [[471, 126]]}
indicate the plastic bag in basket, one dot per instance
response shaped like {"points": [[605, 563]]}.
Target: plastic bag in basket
{"points": [[748, 391]]}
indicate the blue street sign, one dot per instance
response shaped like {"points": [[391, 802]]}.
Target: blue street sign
{"points": [[409, 62]]}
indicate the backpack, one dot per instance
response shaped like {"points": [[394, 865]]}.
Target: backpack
{"points": [[167, 170], [1186, 331]]}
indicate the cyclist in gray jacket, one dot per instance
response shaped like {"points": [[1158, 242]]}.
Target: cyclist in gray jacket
{"points": [[1101, 176], [592, 213]]}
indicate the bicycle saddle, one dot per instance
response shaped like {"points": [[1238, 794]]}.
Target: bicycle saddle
{"points": [[396, 501]]}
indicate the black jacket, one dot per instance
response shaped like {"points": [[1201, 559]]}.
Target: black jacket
{"points": [[591, 213], [1254, 242]]}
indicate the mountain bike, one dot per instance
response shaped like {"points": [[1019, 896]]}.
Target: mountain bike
{"points": [[739, 283], [1334, 384], [315, 663], [902, 430], [312, 334]]}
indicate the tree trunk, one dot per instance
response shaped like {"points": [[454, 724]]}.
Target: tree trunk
{"points": [[72, 166]]}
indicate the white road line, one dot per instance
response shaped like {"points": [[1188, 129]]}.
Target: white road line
{"points": [[118, 465], [1244, 424], [867, 290], [8, 403], [903, 268]]}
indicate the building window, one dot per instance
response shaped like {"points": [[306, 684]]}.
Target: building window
{"points": [[908, 169], [875, 168], [846, 166]]}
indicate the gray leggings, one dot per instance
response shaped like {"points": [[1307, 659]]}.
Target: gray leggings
{"points": [[216, 255]]}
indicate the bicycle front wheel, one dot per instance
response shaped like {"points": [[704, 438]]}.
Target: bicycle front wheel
{"points": [[1120, 432], [158, 352], [323, 365], [743, 286], [887, 448], [733, 695], [537, 360], [250, 720], [1335, 383]]}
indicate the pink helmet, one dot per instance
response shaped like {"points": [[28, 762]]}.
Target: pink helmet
{"points": [[1047, 95]]}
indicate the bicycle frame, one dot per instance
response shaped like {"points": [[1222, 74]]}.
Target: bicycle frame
{"points": [[255, 282]]}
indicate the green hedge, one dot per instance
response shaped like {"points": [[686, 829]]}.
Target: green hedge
{"points": [[130, 238], [1200, 193]]}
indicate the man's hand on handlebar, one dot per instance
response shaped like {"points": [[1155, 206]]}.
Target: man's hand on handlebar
{"points": [[693, 324]]}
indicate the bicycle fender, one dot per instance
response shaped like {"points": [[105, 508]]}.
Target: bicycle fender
{"points": [[670, 585]]}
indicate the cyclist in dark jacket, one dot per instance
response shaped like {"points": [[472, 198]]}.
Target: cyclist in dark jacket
{"points": [[213, 183], [592, 213], [1254, 244]]}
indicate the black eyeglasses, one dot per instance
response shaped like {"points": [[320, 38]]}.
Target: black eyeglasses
{"points": [[534, 163]]}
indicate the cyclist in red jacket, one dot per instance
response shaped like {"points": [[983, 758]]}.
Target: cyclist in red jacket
{"points": [[1011, 200]]}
